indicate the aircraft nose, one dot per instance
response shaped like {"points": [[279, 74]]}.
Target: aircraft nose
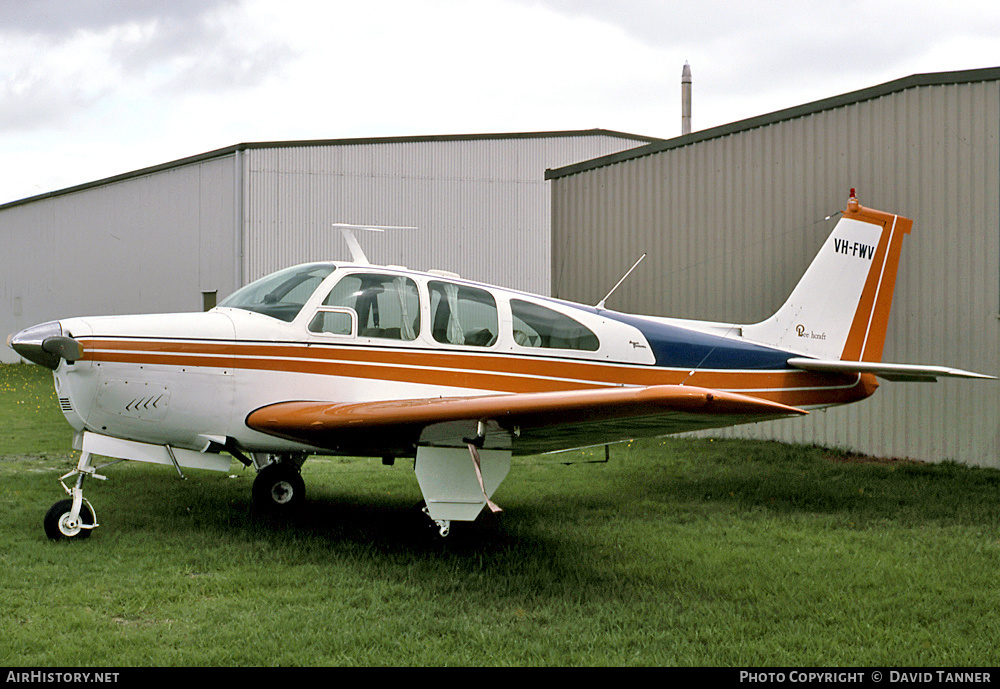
{"points": [[45, 344]]}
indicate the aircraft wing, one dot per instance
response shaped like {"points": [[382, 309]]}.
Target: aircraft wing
{"points": [[893, 372], [539, 421]]}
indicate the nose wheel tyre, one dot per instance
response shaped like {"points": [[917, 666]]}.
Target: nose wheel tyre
{"points": [[279, 489], [59, 523]]}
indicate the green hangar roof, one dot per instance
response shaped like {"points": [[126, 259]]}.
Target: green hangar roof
{"points": [[870, 93]]}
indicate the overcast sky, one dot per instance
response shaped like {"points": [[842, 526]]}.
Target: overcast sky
{"points": [[92, 88]]}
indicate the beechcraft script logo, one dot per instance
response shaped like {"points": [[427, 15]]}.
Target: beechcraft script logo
{"points": [[855, 249], [801, 331]]}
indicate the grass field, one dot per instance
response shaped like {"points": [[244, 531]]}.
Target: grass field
{"points": [[676, 552]]}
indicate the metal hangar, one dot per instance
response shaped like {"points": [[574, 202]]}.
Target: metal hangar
{"points": [[731, 217]]}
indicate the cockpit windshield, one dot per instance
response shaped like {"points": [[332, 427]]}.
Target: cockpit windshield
{"points": [[280, 295]]}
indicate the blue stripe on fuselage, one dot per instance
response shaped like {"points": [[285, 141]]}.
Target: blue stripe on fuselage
{"points": [[678, 347]]}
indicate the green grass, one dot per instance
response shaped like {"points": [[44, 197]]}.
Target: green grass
{"points": [[677, 552]]}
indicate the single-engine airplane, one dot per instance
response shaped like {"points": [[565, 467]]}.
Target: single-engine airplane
{"points": [[381, 361]]}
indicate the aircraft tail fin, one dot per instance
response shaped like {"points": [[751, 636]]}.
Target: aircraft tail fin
{"points": [[839, 310]]}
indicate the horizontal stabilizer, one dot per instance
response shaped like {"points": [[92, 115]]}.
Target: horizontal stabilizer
{"points": [[893, 372]]}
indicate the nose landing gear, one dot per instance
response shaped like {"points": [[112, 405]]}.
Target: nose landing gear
{"points": [[73, 518], [60, 522]]}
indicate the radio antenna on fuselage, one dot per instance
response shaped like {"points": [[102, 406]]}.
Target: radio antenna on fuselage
{"points": [[600, 304], [357, 253]]}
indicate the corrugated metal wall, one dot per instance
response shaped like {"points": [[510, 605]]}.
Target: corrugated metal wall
{"points": [[145, 244], [481, 206], [731, 222]]}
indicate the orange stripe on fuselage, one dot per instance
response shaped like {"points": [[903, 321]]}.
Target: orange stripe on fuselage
{"points": [[488, 372]]}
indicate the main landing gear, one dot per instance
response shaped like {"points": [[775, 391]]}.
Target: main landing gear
{"points": [[454, 488], [278, 488]]}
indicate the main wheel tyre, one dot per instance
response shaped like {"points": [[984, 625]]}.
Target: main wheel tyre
{"points": [[426, 525], [279, 488], [58, 524]]}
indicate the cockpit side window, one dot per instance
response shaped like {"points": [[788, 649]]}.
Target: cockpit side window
{"points": [[387, 306], [280, 295], [462, 315], [538, 326], [333, 321]]}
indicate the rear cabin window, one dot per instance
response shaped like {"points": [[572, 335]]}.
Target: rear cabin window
{"points": [[538, 326], [463, 315], [387, 306]]}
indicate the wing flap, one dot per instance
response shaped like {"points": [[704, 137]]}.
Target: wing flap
{"points": [[317, 422], [893, 372]]}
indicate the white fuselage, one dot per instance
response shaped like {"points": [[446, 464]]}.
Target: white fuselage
{"points": [[183, 379]]}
